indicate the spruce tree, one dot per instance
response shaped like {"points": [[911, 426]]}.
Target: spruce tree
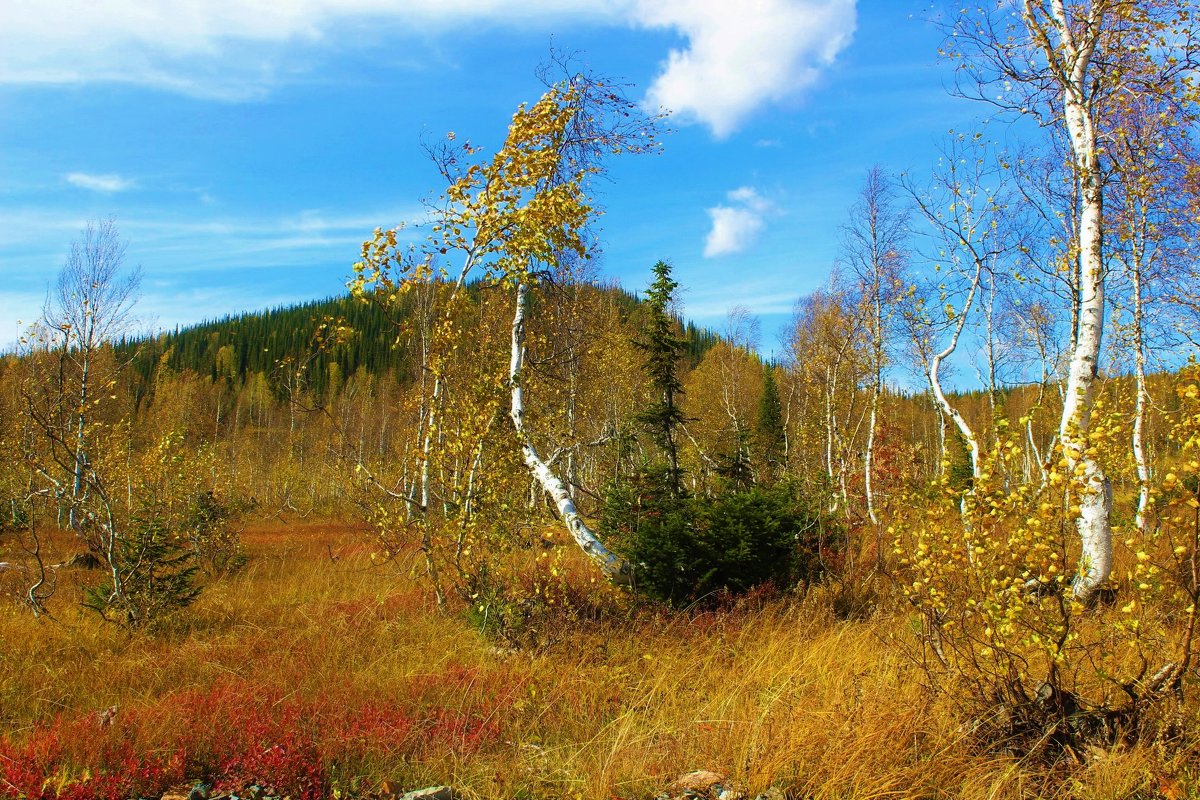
{"points": [[768, 427], [663, 346]]}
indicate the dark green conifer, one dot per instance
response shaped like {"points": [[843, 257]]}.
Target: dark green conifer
{"points": [[663, 346], [768, 427]]}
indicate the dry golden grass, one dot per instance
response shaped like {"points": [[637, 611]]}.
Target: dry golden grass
{"points": [[777, 692]]}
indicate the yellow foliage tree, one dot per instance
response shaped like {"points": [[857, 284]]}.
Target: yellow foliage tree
{"points": [[509, 220]]}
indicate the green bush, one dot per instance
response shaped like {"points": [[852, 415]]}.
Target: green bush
{"points": [[154, 574], [694, 549]]}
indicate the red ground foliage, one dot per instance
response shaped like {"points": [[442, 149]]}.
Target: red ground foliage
{"points": [[235, 735]]}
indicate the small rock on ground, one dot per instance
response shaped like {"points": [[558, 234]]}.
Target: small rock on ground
{"points": [[699, 785], [431, 793], [772, 794]]}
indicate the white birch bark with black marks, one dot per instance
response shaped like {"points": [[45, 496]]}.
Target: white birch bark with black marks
{"points": [[613, 566], [1069, 50]]}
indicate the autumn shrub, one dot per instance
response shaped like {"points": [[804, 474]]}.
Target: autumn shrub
{"points": [[693, 548], [81, 758], [14, 512], [215, 542], [1002, 633], [542, 595], [235, 735]]}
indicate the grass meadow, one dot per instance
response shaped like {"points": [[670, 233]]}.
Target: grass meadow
{"points": [[315, 672]]}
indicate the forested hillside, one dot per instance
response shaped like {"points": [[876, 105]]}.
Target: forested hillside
{"points": [[239, 347]]}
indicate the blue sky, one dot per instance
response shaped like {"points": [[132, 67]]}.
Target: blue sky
{"points": [[246, 148]]}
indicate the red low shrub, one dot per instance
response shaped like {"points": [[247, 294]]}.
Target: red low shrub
{"points": [[235, 735]]}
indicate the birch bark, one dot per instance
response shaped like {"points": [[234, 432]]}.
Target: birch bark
{"points": [[613, 566], [1069, 50]]}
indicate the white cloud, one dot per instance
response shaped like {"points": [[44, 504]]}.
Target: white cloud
{"points": [[733, 230], [743, 55], [738, 56], [736, 227], [98, 183], [750, 198]]}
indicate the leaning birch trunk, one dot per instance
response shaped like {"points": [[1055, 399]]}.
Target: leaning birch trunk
{"points": [[960, 422], [616, 568], [935, 383], [1074, 50], [939, 396]]}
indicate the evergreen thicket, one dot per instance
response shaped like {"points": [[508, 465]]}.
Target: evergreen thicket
{"points": [[696, 546], [239, 346]]}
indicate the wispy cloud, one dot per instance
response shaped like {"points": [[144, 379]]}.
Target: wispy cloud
{"points": [[98, 183], [259, 261], [738, 57], [735, 227], [309, 236]]}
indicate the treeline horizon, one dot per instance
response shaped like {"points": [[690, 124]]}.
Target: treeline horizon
{"points": [[263, 375], [259, 340]]}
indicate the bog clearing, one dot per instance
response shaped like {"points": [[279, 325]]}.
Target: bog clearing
{"points": [[314, 672]]}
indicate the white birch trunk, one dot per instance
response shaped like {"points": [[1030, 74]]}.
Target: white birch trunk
{"points": [[1136, 264], [935, 382], [1033, 456], [877, 352], [616, 568], [869, 456], [1139, 451], [953, 413], [829, 425], [84, 399], [1074, 53], [1143, 401]]}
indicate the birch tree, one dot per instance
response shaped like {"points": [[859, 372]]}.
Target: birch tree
{"points": [[508, 219], [91, 304], [964, 216], [1152, 226], [1066, 63], [827, 353], [874, 243]]}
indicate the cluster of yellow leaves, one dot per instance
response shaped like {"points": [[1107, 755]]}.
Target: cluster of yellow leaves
{"points": [[990, 570], [520, 208], [993, 563]]}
